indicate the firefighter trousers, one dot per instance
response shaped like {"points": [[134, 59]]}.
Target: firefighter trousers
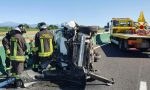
{"points": [[17, 67]]}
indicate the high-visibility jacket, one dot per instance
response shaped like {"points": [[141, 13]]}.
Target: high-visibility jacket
{"points": [[17, 48], [44, 42]]}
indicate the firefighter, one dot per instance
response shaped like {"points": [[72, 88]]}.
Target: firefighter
{"points": [[17, 51], [44, 43], [6, 45]]}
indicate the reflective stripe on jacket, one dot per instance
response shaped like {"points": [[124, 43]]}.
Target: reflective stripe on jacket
{"points": [[42, 51], [44, 43], [18, 47]]}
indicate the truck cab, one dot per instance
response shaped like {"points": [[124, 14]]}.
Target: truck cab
{"points": [[122, 25]]}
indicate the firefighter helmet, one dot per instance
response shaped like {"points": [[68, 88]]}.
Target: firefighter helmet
{"points": [[42, 25], [22, 28], [17, 29]]}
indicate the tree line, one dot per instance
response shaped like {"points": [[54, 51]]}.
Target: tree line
{"points": [[50, 27]]}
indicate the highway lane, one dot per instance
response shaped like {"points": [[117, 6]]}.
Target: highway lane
{"points": [[128, 68]]}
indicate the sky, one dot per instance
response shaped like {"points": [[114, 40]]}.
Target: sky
{"points": [[85, 12]]}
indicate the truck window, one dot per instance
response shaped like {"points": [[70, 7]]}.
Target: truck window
{"points": [[129, 23], [123, 24], [115, 23]]}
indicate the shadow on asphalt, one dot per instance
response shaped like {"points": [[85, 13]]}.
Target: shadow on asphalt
{"points": [[64, 85], [111, 50], [46, 85], [55, 84]]}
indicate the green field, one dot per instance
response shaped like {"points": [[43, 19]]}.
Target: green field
{"points": [[5, 29]]}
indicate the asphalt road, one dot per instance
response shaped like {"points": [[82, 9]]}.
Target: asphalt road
{"points": [[130, 70]]}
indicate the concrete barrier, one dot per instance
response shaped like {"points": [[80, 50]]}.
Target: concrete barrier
{"points": [[101, 38]]}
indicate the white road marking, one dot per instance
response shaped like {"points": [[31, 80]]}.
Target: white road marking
{"points": [[143, 85], [28, 84], [100, 45], [104, 33], [105, 44], [115, 41], [96, 47]]}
